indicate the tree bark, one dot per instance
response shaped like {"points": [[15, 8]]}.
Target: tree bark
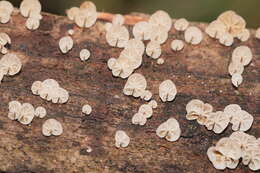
{"points": [[198, 72]]}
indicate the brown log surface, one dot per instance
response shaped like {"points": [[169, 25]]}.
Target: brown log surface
{"points": [[198, 72]]}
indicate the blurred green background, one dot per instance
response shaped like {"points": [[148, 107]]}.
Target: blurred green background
{"points": [[193, 10]]}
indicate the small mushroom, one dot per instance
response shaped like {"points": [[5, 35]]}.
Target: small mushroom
{"points": [[32, 23], [40, 112], [63, 95], [215, 29], [12, 63], [153, 49], [177, 45], [252, 158], [52, 127], [4, 39], [257, 33], [133, 56], [141, 30], [29, 6], [86, 18], [117, 36], [123, 67], [118, 19], [135, 46], [139, 119], [181, 24], [153, 104], [217, 121], [135, 85], [194, 109], [65, 44], [26, 113], [235, 68], [86, 109], [236, 79], [229, 147], [14, 110], [88, 5], [158, 34], [167, 91], [71, 32], [7, 6], [244, 35], [162, 19], [232, 110], [84, 54], [242, 121], [244, 140], [226, 39], [160, 61], [242, 54], [146, 95], [121, 139], [72, 13], [193, 35], [169, 129], [146, 110]]}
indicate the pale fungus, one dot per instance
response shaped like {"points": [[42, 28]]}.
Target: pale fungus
{"points": [[63, 95], [11, 63], [158, 34], [135, 85], [244, 35], [232, 110], [194, 109], [236, 79], [84, 54], [117, 36], [252, 159], [160, 61], [86, 109], [181, 24], [118, 19], [139, 119], [242, 54], [241, 121], [167, 90], [153, 49], [244, 140], [257, 33], [71, 32], [122, 67], [86, 18], [226, 39], [146, 95], [32, 24], [121, 139], [88, 5], [6, 9], [111, 63], [193, 35], [4, 39], [215, 29], [108, 26], [146, 110], [29, 6], [40, 112], [65, 44], [177, 45], [52, 127], [141, 30], [26, 113], [72, 13], [51, 83], [132, 56], [162, 19], [217, 121], [153, 104], [169, 130], [235, 68], [229, 147], [14, 110], [135, 46]]}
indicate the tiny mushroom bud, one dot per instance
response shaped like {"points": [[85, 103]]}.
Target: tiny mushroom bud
{"points": [[160, 61], [242, 121], [162, 19], [84, 54], [52, 127], [153, 49], [72, 13], [118, 19], [121, 139], [167, 90], [117, 36], [217, 121], [177, 45], [139, 119], [146, 110], [181, 24], [111, 63], [193, 35], [12, 63], [141, 30], [65, 44], [170, 130], [26, 113], [257, 33], [153, 104], [244, 35], [86, 109], [40, 112], [226, 39], [70, 31], [135, 85], [235, 68], [242, 54], [236, 79]]}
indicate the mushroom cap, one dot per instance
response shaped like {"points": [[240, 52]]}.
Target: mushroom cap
{"points": [[153, 104], [118, 19], [244, 35], [40, 112], [12, 62], [135, 83], [27, 6], [122, 139], [177, 45], [242, 54], [160, 61], [167, 90], [4, 39], [216, 158], [26, 113], [146, 110], [242, 121], [35, 15], [135, 45], [51, 82], [146, 95], [226, 39], [134, 57], [14, 110], [207, 108], [217, 121], [117, 36], [233, 22], [193, 35], [244, 140], [86, 18], [235, 67], [84, 54], [141, 30], [52, 127], [111, 63], [122, 68], [36, 87], [65, 44], [169, 129], [158, 34], [229, 148], [232, 109], [88, 5], [4, 16], [7, 6], [63, 95], [139, 119], [153, 49], [72, 13], [252, 159], [86, 109], [257, 33], [236, 79], [195, 108], [215, 29], [181, 24], [32, 23], [162, 19]]}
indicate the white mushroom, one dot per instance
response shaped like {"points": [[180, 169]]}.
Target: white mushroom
{"points": [[117, 36], [121, 139], [14, 110], [52, 127], [242, 54], [86, 18], [235, 68], [26, 113], [153, 49], [146, 110], [241, 121], [40, 112], [88, 5], [162, 19], [29, 6], [108, 26], [169, 129], [160, 61], [193, 35], [177, 45], [236, 79], [135, 85], [87, 109], [131, 56], [4, 39], [167, 91], [122, 67], [217, 121], [139, 119], [226, 39], [71, 32], [244, 140], [158, 34], [252, 159], [32, 23], [84, 54], [146, 95], [7, 6], [244, 35], [118, 19], [135, 46], [232, 110], [65, 44], [153, 104], [141, 30], [181, 24], [229, 147], [215, 29], [72, 13], [12, 63]]}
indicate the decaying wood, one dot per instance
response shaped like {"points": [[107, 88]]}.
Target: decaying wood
{"points": [[198, 72]]}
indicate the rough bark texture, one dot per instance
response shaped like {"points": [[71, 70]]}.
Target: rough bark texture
{"points": [[198, 72]]}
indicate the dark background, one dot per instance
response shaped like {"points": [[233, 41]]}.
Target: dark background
{"points": [[193, 10]]}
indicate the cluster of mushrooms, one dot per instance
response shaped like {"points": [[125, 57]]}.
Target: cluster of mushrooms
{"points": [[148, 37]]}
